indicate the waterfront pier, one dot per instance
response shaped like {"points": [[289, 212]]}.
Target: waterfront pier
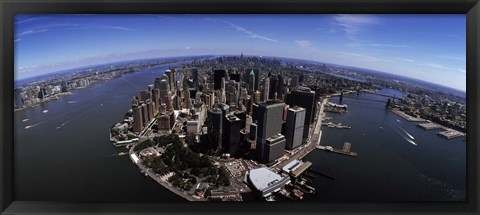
{"points": [[344, 151]]}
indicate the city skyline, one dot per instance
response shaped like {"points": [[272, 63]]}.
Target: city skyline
{"points": [[426, 47]]}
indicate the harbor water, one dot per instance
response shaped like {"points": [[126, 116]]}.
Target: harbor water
{"points": [[397, 161], [65, 154]]}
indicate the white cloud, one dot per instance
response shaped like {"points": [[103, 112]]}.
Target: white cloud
{"points": [[69, 26], [30, 20], [118, 28], [303, 43], [27, 32], [437, 66], [405, 59], [457, 58], [461, 70], [243, 30], [362, 57], [102, 27], [353, 24], [387, 45]]}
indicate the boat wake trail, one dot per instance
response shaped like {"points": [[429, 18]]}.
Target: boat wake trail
{"points": [[31, 126], [60, 126], [405, 135], [408, 134]]}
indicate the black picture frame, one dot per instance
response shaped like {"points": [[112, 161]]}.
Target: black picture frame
{"points": [[8, 8]]}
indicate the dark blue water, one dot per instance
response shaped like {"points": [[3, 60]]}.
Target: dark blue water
{"points": [[75, 162], [388, 166]]}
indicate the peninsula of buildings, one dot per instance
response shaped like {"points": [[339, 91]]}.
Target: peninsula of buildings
{"points": [[217, 128], [220, 127]]}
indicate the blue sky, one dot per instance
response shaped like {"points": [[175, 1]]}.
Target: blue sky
{"points": [[427, 47]]}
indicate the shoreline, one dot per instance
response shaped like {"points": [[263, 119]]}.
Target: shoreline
{"points": [[417, 119], [163, 183], [407, 117], [54, 97]]}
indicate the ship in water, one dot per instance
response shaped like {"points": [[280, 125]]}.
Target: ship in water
{"points": [[45, 111]]}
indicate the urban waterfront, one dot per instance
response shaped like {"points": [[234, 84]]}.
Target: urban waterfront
{"points": [[388, 166], [75, 162]]}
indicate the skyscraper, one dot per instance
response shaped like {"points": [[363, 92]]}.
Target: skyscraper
{"points": [[150, 109], [280, 87], [273, 87], [156, 98], [173, 80], [218, 74], [156, 83], [294, 129], [164, 87], [303, 97], [215, 127], [266, 89], [242, 115], [137, 119], [235, 76], [168, 73], [251, 83], [231, 134], [269, 117], [274, 148], [144, 95], [195, 76], [257, 96], [145, 119]]}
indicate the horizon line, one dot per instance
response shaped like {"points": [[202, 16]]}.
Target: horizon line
{"points": [[220, 55]]}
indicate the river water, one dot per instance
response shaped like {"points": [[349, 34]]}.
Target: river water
{"points": [[391, 166], [66, 155], [76, 162]]}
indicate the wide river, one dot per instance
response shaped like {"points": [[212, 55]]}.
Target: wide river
{"points": [[397, 161], [65, 154]]}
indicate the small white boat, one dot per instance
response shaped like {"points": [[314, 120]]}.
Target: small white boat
{"points": [[24, 120], [45, 111]]}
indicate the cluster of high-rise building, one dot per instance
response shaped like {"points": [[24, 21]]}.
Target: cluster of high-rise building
{"points": [[232, 112], [158, 102], [33, 95]]}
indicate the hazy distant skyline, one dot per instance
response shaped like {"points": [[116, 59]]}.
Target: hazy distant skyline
{"points": [[426, 47]]}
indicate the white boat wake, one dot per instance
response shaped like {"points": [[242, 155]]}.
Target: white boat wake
{"points": [[411, 141], [60, 126], [408, 134], [405, 135], [31, 126]]}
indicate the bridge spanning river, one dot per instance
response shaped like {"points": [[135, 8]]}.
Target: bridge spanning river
{"points": [[369, 99]]}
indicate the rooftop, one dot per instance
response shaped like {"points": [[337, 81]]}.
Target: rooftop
{"points": [[262, 177]]}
